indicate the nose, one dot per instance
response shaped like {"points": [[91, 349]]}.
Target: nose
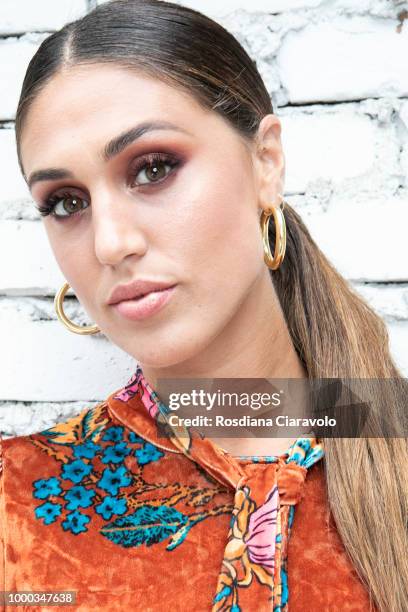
{"points": [[117, 231]]}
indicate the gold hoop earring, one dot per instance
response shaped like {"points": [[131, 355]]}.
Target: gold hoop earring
{"points": [[73, 327], [280, 241]]}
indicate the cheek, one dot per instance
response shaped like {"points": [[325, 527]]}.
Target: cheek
{"points": [[217, 238], [73, 255]]}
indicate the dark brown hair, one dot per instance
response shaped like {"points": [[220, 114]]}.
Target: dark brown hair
{"points": [[335, 333], [156, 38]]}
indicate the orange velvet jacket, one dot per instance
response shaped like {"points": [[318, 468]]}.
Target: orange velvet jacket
{"points": [[103, 506]]}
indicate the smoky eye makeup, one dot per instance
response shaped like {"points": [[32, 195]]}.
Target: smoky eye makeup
{"points": [[146, 172], [152, 168], [67, 199]]}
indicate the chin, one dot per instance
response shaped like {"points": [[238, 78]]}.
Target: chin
{"points": [[164, 356], [169, 351], [165, 346]]}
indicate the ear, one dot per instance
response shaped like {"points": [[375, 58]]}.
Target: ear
{"points": [[269, 162]]}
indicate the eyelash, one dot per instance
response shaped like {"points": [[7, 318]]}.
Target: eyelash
{"points": [[146, 161]]}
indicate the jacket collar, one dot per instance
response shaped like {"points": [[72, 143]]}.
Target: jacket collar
{"points": [[138, 407]]}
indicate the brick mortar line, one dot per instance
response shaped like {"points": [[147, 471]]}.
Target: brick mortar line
{"points": [[49, 297], [317, 11], [9, 123], [338, 102], [20, 34]]}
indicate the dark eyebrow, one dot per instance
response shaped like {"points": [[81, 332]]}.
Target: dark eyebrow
{"points": [[117, 144], [112, 148], [50, 174]]}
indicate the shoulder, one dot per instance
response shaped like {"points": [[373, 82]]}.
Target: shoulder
{"points": [[85, 423], [30, 453]]}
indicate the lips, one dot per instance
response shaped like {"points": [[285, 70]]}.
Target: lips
{"points": [[137, 289], [145, 307]]}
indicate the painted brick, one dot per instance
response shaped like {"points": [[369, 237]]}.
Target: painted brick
{"points": [[402, 125], [361, 238], [24, 418], [15, 55], [381, 8], [214, 8], [344, 60], [13, 186], [390, 302], [43, 361], [38, 16], [27, 264], [340, 144], [398, 333]]}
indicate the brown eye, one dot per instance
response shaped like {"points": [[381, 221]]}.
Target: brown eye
{"points": [[71, 204], [154, 171], [68, 205]]}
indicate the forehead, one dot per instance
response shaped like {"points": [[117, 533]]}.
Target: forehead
{"points": [[92, 103]]}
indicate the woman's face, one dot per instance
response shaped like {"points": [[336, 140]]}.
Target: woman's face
{"points": [[176, 203]]}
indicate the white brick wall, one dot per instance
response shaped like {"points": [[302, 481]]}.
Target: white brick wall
{"points": [[19, 16], [355, 58], [336, 72], [15, 53]]}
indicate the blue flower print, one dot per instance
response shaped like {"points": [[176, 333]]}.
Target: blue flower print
{"points": [[76, 522], [88, 449], [113, 480], [46, 487], [113, 434], [110, 506], [296, 458], [76, 470], [79, 497], [115, 453], [291, 516], [48, 512], [148, 453], [134, 438], [304, 443], [285, 590], [312, 457], [223, 593]]}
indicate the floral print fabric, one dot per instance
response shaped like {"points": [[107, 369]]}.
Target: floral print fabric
{"points": [[256, 550], [95, 478], [104, 505]]}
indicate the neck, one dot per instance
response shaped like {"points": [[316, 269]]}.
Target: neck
{"points": [[255, 343]]}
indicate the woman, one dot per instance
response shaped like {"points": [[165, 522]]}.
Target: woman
{"points": [[149, 143]]}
